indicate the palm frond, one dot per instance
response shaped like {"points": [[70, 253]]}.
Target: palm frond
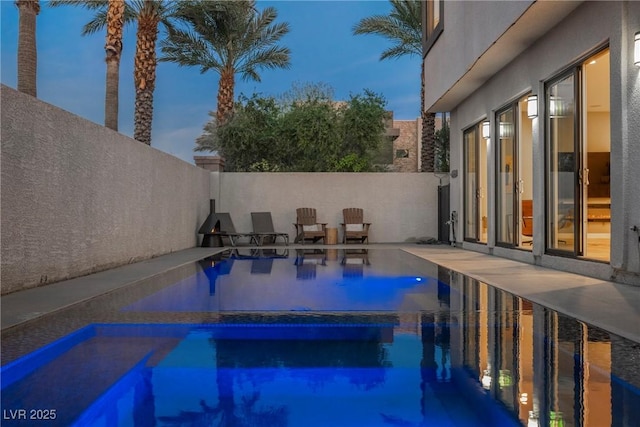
{"points": [[99, 20], [395, 52], [87, 4], [402, 27], [271, 58], [188, 49], [97, 23]]}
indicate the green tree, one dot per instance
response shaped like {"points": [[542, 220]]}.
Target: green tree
{"points": [[304, 130], [363, 127], [229, 38], [442, 147], [112, 14], [403, 27], [27, 51], [311, 128], [249, 140]]}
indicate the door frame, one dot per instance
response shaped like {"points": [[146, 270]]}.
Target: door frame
{"points": [[580, 151], [477, 220], [575, 161], [515, 177]]}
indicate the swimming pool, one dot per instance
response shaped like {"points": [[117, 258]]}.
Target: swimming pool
{"points": [[316, 338]]}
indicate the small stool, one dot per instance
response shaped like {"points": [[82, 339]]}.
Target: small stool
{"points": [[331, 236]]}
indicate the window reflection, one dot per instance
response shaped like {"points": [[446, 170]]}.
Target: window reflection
{"points": [[548, 369]]}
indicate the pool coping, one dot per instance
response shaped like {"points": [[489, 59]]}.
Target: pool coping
{"points": [[30, 304]]}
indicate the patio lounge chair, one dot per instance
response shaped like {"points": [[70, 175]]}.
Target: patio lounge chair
{"points": [[307, 228], [227, 229], [354, 227], [263, 229]]}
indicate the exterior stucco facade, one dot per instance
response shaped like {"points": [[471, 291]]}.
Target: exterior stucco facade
{"points": [[492, 53]]}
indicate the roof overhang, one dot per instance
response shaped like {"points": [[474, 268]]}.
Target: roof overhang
{"points": [[537, 20]]}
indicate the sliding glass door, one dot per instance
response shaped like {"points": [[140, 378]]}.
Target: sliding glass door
{"points": [[578, 160], [514, 169], [506, 191], [475, 184], [564, 165]]}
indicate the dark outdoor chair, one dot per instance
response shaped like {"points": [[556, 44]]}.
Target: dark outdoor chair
{"points": [[228, 230], [263, 229], [354, 227], [307, 227]]}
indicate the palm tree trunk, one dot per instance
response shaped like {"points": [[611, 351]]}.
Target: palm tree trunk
{"points": [[428, 131], [113, 49], [428, 141], [27, 53], [225, 96], [144, 73]]}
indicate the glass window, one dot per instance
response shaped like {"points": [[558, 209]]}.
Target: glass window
{"points": [[432, 17]]}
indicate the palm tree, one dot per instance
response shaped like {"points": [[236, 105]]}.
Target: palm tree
{"points": [[229, 38], [149, 13], [27, 53], [113, 50], [403, 27], [112, 13]]}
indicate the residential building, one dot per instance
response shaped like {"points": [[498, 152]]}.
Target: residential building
{"points": [[544, 100], [406, 139]]}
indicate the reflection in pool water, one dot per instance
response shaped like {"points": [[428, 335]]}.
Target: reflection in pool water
{"points": [[387, 339]]}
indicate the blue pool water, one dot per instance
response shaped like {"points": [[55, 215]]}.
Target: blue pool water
{"points": [[247, 375], [317, 339]]}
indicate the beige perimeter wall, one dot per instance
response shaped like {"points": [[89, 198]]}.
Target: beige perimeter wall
{"points": [[400, 206], [78, 198]]}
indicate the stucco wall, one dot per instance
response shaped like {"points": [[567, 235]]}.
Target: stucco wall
{"points": [[400, 206], [470, 28], [78, 198]]}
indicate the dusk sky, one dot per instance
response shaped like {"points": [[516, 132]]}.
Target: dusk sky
{"points": [[71, 68]]}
